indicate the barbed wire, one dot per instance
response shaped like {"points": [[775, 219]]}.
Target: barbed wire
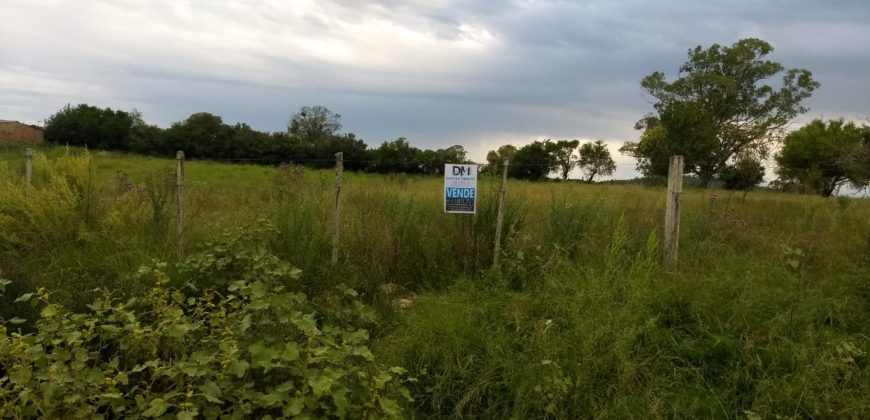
{"points": [[378, 162]]}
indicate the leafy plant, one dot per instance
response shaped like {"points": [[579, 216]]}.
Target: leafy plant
{"points": [[252, 349]]}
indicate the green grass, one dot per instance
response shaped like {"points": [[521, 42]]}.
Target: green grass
{"points": [[767, 313]]}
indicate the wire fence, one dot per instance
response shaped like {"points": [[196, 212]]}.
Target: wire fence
{"points": [[378, 162]]}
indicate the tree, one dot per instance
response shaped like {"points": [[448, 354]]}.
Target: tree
{"points": [[314, 124], [354, 151], [146, 139], [824, 156], [397, 156], [432, 161], [595, 160], [201, 135], [90, 126], [718, 108], [744, 174], [532, 161], [495, 158], [563, 156]]}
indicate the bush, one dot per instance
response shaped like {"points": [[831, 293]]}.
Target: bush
{"points": [[253, 348], [743, 174]]}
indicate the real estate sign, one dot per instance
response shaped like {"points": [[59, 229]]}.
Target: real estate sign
{"points": [[460, 188]]}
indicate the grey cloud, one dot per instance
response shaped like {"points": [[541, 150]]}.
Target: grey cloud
{"points": [[551, 68]]}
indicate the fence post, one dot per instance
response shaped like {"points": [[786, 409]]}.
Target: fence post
{"points": [[713, 197], [672, 210], [336, 227], [179, 215], [28, 166], [500, 217]]}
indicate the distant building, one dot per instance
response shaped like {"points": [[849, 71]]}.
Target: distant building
{"points": [[14, 131]]}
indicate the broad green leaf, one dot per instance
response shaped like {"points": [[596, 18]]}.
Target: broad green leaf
{"points": [[291, 352], [178, 297], [122, 378], [177, 330], [49, 311], [239, 368], [391, 409], [339, 398], [24, 298], [320, 384], [156, 408], [187, 415], [211, 391], [294, 407], [110, 328]]}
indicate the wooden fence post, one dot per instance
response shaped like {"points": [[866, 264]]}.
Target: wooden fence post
{"points": [[672, 210], [179, 215], [500, 218], [713, 197], [28, 166], [336, 226]]}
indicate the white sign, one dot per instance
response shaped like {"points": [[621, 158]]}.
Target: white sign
{"points": [[460, 188]]}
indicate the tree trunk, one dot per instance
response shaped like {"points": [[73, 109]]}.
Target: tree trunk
{"points": [[829, 189], [592, 175], [705, 179]]}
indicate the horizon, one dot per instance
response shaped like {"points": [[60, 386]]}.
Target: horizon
{"points": [[478, 74]]}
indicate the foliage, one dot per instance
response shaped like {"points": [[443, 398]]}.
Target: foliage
{"points": [[822, 156], [254, 348], [145, 138], [202, 135], [63, 208], [90, 126], [396, 156], [595, 160], [495, 158], [563, 155], [433, 161], [532, 161], [744, 174], [312, 138], [764, 316], [314, 124], [717, 109]]}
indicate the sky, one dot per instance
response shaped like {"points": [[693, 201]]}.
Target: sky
{"points": [[479, 73]]}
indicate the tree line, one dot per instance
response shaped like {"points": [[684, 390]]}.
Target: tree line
{"points": [[536, 160], [719, 113], [312, 138]]}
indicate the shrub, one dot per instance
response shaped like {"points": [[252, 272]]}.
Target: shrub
{"points": [[250, 349]]}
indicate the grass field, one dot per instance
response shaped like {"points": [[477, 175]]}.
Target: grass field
{"points": [[766, 315]]}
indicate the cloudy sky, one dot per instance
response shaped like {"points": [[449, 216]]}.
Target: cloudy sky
{"points": [[480, 73]]}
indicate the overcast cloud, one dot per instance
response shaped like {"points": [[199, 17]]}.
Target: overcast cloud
{"points": [[480, 73]]}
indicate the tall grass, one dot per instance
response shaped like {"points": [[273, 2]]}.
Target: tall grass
{"points": [[767, 313]]}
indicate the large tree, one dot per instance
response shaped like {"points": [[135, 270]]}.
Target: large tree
{"points": [[595, 160], [89, 126], [824, 156], [532, 161], [432, 161], [495, 158], [314, 123], [203, 136], [397, 156], [718, 107], [563, 156]]}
